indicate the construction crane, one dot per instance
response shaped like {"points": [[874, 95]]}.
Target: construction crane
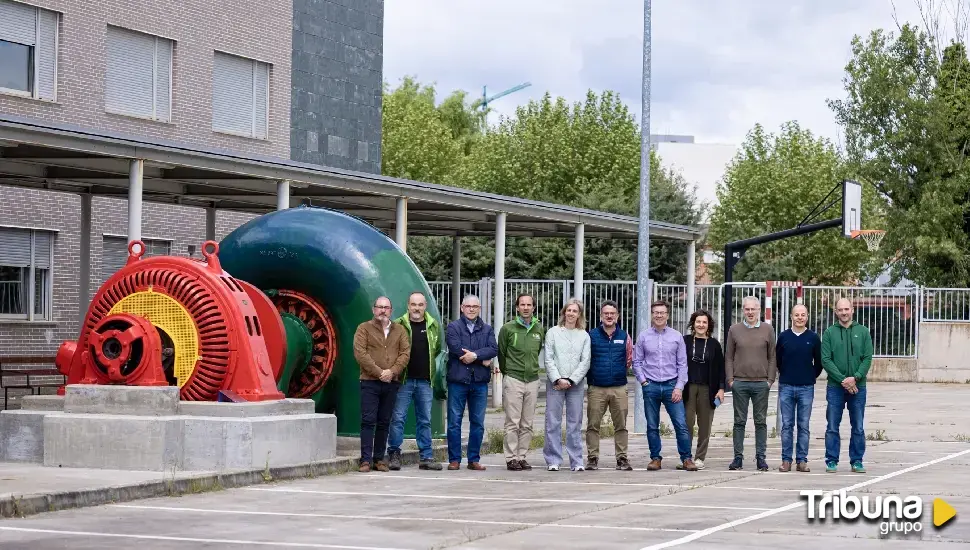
{"points": [[483, 103]]}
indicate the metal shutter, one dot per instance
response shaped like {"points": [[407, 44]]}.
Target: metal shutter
{"points": [[232, 94], [114, 255], [45, 55], [129, 83], [18, 22], [43, 240], [14, 247], [261, 103], [163, 79]]}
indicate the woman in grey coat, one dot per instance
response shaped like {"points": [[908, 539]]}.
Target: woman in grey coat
{"points": [[567, 362]]}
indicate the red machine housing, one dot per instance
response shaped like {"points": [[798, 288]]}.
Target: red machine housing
{"points": [[126, 349]]}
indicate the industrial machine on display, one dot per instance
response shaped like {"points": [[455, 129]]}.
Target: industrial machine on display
{"points": [[270, 312]]}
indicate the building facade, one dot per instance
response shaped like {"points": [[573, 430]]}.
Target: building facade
{"points": [[294, 79]]}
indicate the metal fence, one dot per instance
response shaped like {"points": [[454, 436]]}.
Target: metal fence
{"points": [[892, 314]]}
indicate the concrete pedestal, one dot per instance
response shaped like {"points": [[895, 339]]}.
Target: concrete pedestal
{"points": [[148, 428]]}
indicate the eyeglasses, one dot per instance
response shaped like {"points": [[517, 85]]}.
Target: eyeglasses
{"points": [[382, 307], [471, 307]]}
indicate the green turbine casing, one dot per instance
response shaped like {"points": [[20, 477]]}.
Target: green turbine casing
{"points": [[344, 264]]}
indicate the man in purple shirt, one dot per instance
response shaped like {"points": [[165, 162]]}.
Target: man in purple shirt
{"points": [[660, 365]]}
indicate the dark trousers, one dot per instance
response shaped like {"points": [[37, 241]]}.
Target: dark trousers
{"points": [[377, 401]]}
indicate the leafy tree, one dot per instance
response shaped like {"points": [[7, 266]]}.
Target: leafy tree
{"points": [[906, 124], [773, 183]]}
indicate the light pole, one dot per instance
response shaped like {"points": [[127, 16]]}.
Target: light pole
{"points": [[643, 240]]}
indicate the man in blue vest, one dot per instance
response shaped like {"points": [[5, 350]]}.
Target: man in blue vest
{"points": [[611, 354]]}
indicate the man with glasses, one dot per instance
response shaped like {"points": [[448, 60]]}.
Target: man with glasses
{"points": [[471, 348], [382, 350], [611, 354], [660, 365]]}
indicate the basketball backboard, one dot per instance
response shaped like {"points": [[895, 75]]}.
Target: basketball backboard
{"points": [[851, 207]]}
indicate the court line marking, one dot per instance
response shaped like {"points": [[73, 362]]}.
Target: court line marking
{"points": [[685, 472], [394, 518], [598, 483], [799, 504], [499, 499], [192, 539]]}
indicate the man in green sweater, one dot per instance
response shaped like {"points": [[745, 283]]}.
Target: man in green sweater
{"points": [[846, 358], [520, 342]]}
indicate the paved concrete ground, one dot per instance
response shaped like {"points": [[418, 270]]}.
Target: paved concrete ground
{"points": [[924, 451]]}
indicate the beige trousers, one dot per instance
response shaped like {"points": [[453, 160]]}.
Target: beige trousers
{"points": [[600, 399], [519, 401]]}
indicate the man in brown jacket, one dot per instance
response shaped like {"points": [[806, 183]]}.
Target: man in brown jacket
{"points": [[382, 350], [750, 370]]}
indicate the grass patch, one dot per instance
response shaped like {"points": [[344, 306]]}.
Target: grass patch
{"points": [[665, 430], [878, 435], [729, 432], [774, 432], [965, 438], [494, 441]]}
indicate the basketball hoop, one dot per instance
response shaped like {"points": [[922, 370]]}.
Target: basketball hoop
{"points": [[872, 237]]}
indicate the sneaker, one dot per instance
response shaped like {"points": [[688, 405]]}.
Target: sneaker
{"points": [[689, 465], [858, 468], [428, 465], [762, 465], [737, 464], [831, 467], [513, 465], [552, 468], [803, 467], [699, 463], [395, 461], [578, 468], [524, 465], [680, 464], [623, 463], [592, 463]]}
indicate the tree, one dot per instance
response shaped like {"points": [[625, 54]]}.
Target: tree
{"points": [[773, 183], [586, 155], [906, 128]]}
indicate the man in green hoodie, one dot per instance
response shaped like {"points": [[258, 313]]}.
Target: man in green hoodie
{"points": [[419, 383], [846, 357], [520, 342]]}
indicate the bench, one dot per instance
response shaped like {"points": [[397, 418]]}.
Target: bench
{"points": [[27, 378]]}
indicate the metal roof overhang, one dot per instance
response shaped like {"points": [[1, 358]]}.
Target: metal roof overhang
{"points": [[44, 155]]}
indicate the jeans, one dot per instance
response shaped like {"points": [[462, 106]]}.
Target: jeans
{"points": [[655, 393], [757, 392], [376, 405], [475, 395], [796, 403], [418, 391], [572, 401], [838, 400]]}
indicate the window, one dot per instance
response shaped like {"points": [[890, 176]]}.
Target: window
{"points": [[240, 96], [138, 74], [28, 50], [25, 273], [114, 253]]}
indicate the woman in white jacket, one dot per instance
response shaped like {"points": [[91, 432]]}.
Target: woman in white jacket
{"points": [[567, 362]]}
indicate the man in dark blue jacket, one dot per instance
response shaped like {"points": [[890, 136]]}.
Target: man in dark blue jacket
{"points": [[471, 349], [611, 354], [798, 354]]}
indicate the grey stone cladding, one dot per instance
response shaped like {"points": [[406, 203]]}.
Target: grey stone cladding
{"points": [[338, 59], [259, 29]]}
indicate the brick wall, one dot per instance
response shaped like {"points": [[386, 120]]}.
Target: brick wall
{"points": [[250, 28], [338, 58], [182, 225]]}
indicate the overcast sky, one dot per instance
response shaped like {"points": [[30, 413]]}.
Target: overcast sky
{"points": [[718, 67]]}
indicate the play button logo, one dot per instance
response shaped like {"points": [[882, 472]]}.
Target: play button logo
{"points": [[942, 512]]}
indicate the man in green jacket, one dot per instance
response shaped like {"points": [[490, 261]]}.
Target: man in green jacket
{"points": [[520, 343], [420, 381], [846, 357]]}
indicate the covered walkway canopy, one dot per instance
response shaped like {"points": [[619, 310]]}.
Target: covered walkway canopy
{"points": [[90, 162]]}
